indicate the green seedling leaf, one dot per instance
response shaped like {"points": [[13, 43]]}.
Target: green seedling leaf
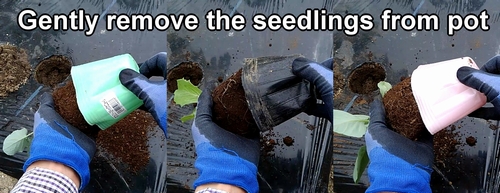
{"points": [[350, 125], [17, 141], [186, 92], [361, 163], [384, 86], [188, 117]]}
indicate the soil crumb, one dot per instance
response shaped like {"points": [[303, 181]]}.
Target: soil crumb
{"points": [[67, 106], [471, 141], [128, 139], [15, 68], [288, 141], [364, 79], [402, 111], [53, 70], [187, 70], [445, 144], [230, 109]]}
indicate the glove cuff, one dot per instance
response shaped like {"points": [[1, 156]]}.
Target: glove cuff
{"points": [[391, 173], [224, 166], [52, 146]]}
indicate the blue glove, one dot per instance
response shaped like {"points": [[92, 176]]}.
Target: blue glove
{"points": [[56, 140], [487, 81], [397, 164], [321, 75], [223, 157], [152, 93]]}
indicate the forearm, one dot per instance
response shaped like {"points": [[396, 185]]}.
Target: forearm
{"points": [[218, 188], [47, 176]]}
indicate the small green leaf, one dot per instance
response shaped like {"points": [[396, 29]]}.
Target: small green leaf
{"points": [[188, 117], [350, 125], [17, 141], [186, 92], [384, 86], [361, 163]]}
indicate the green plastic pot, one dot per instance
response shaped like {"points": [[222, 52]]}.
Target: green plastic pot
{"points": [[101, 98]]}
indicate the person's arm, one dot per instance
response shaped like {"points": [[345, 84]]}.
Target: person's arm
{"points": [[60, 177], [225, 161], [397, 164], [59, 156]]}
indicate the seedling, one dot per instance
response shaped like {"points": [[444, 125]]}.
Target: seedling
{"points": [[186, 94], [17, 141], [355, 126]]}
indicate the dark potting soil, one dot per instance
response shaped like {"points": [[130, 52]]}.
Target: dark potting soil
{"points": [[53, 70], [288, 141], [230, 110], [402, 112], [471, 141], [445, 145], [187, 70], [339, 80], [364, 79], [66, 105], [14, 68], [127, 139]]}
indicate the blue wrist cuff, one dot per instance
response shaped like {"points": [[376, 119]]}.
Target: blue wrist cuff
{"points": [[52, 146], [224, 166], [393, 174]]}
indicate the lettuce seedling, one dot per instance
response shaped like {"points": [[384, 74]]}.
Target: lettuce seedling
{"points": [[17, 141], [186, 94], [356, 126]]}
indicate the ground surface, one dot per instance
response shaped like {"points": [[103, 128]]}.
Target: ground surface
{"points": [[6, 183]]}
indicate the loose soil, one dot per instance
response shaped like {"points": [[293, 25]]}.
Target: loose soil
{"points": [[364, 79], [288, 141], [53, 70], [187, 70], [125, 140], [66, 105], [14, 68], [445, 145], [230, 109], [402, 112], [128, 139], [471, 141]]}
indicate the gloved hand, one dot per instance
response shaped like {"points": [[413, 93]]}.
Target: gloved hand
{"points": [[153, 93], [487, 81], [397, 164], [321, 75], [223, 157], [56, 140]]}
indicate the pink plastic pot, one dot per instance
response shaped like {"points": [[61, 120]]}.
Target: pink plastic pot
{"points": [[441, 98]]}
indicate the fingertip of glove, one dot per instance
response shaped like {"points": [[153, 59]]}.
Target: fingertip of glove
{"points": [[127, 74], [46, 99]]}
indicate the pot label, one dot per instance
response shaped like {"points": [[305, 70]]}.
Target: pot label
{"points": [[112, 105]]}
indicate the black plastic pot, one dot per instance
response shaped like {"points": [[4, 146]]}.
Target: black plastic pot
{"points": [[274, 94]]}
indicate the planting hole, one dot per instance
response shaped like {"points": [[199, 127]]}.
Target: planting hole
{"points": [[187, 70], [364, 79], [53, 70], [14, 68]]}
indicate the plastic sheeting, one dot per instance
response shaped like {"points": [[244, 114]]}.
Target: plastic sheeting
{"points": [[303, 167], [107, 175], [472, 168]]}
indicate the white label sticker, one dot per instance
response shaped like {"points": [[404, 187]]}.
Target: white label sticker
{"points": [[113, 105]]}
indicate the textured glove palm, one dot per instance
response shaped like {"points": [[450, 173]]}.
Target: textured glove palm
{"points": [[487, 81], [222, 156], [321, 75], [56, 140], [152, 93], [397, 164]]}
